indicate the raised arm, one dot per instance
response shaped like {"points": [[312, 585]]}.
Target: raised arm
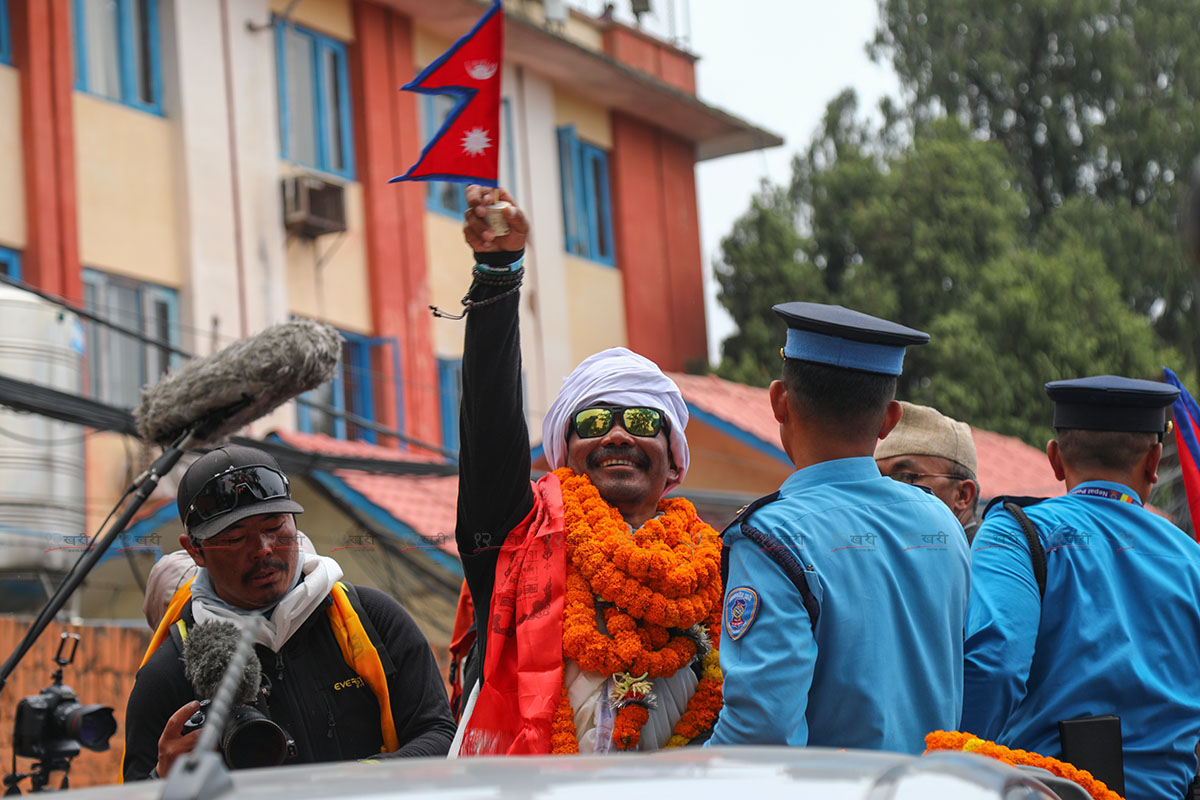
{"points": [[494, 492]]}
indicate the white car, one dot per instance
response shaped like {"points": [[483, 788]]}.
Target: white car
{"points": [[727, 773]]}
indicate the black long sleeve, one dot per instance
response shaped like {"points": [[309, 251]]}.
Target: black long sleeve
{"points": [[420, 708], [494, 492]]}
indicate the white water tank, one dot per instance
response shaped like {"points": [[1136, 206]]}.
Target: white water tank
{"points": [[41, 460]]}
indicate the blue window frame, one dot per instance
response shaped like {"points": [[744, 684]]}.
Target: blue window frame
{"points": [[352, 391], [587, 208], [314, 100], [445, 197], [10, 260], [5, 35], [117, 51], [450, 391], [118, 364]]}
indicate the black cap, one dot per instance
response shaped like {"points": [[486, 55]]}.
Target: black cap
{"points": [[216, 462], [842, 337], [1111, 403]]}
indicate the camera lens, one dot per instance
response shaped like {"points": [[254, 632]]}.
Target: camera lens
{"points": [[91, 725], [252, 740]]}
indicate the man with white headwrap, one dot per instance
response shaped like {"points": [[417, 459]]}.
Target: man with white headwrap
{"points": [[597, 602]]}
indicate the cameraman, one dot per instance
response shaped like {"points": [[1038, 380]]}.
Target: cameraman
{"points": [[236, 506]]}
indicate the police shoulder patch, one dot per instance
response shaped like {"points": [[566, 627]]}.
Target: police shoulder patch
{"points": [[741, 606]]}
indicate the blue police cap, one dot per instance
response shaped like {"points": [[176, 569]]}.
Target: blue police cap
{"points": [[845, 338], [1111, 403]]}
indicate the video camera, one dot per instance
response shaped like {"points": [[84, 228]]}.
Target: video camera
{"points": [[53, 725]]}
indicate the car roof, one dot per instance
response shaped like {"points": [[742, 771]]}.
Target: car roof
{"points": [[741, 773]]}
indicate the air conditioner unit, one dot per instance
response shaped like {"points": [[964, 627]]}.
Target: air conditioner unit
{"points": [[556, 11], [312, 207]]}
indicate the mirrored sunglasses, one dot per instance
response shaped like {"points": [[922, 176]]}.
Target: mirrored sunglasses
{"points": [[637, 420]]}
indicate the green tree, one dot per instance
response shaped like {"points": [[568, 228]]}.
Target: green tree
{"points": [[1096, 103], [1034, 318], [933, 234]]}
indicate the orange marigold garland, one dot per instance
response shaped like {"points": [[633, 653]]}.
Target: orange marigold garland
{"points": [[969, 742], [659, 591], [562, 729]]}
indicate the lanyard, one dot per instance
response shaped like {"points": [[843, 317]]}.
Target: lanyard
{"points": [[1109, 494]]}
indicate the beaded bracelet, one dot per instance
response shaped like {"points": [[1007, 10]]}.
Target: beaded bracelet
{"points": [[489, 276]]}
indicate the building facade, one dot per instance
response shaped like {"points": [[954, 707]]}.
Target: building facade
{"points": [[191, 171]]}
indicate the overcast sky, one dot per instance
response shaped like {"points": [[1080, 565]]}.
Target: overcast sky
{"points": [[775, 63]]}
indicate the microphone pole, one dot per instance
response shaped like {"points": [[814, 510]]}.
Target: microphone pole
{"points": [[144, 484]]}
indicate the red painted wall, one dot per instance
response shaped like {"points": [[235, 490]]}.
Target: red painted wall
{"points": [[658, 243], [660, 60], [41, 36], [388, 141]]}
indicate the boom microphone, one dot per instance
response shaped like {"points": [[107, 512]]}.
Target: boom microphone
{"points": [[208, 649], [235, 386]]}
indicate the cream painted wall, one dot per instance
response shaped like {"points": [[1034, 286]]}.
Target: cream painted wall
{"points": [[597, 302], [449, 263], [337, 291], [547, 349], [200, 110], [578, 30], [127, 182], [592, 122], [332, 17], [427, 46], [12, 171]]}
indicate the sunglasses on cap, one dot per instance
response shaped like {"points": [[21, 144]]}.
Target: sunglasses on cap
{"points": [[237, 486], [637, 420]]}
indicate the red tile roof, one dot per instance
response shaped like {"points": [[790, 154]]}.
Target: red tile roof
{"points": [[1009, 466], [744, 407], [1006, 464], [427, 504], [424, 503]]}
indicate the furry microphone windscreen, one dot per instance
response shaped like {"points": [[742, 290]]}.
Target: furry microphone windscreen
{"points": [[207, 651], [251, 378]]}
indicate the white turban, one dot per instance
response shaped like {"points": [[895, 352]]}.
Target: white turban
{"points": [[619, 377]]}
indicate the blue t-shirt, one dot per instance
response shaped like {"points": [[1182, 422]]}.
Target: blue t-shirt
{"points": [[887, 567], [1117, 633]]}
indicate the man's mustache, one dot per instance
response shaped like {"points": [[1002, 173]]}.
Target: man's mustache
{"points": [[275, 563], [623, 451]]}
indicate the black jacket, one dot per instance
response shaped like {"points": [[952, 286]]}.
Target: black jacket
{"points": [[313, 693]]}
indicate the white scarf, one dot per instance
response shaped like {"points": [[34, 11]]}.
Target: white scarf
{"points": [[317, 576]]}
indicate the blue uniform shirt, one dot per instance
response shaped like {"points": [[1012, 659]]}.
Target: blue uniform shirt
{"points": [[1118, 633], [887, 568]]}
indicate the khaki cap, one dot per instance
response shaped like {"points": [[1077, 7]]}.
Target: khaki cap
{"points": [[925, 431]]}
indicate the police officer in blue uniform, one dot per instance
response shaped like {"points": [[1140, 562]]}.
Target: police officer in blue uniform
{"points": [[846, 591], [1117, 632]]}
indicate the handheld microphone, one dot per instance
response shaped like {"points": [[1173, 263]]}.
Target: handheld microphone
{"points": [[207, 651], [235, 386]]}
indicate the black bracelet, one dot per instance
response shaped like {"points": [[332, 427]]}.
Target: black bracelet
{"points": [[511, 279]]}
